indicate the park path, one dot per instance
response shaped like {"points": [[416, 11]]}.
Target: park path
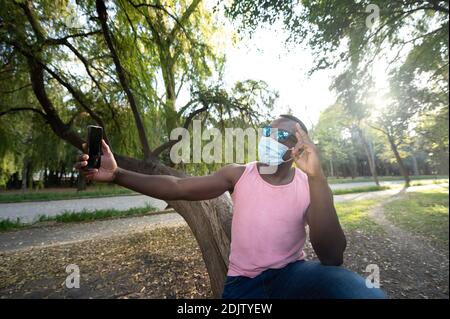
{"points": [[370, 195], [418, 265], [68, 233], [29, 212], [60, 234]]}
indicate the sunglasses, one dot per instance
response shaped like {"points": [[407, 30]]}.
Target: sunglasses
{"points": [[281, 135]]}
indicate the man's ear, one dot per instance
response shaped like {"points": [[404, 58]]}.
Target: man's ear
{"points": [[288, 152]]}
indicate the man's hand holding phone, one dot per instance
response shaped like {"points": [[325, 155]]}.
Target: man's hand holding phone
{"points": [[108, 167]]}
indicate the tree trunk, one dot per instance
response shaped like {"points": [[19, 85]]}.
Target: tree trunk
{"points": [[331, 168], [353, 167], [123, 78], [72, 178], [25, 174], [370, 157], [443, 162], [402, 167], [45, 176], [30, 174], [415, 166], [210, 221], [81, 183]]}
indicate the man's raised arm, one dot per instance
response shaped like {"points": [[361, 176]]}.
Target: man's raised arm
{"points": [[160, 186], [175, 188], [325, 232]]}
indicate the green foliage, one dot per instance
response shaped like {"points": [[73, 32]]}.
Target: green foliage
{"points": [[362, 189], [333, 135], [432, 136], [433, 179], [7, 224], [162, 47], [167, 47], [337, 30], [410, 36], [46, 196], [74, 217]]}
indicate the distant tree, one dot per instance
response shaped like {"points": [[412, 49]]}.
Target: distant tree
{"points": [[432, 138], [333, 134]]}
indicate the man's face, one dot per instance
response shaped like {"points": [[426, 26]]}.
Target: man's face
{"points": [[288, 126]]}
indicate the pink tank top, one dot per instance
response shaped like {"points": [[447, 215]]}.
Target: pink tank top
{"points": [[268, 225]]}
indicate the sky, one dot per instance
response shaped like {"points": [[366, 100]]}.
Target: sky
{"points": [[265, 57]]}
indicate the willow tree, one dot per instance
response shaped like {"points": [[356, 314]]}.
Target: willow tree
{"points": [[101, 61]]}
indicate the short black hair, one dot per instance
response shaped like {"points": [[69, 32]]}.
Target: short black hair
{"points": [[295, 119]]}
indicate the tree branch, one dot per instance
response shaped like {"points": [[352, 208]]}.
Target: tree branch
{"points": [[27, 8], [178, 23], [75, 93], [16, 90], [19, 109], [378, 129], [41, 36], [62, 40], [184, 18], [73, 118], [186, 124], [61, 129], [103, 16]]}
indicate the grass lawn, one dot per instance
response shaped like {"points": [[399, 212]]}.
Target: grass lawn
{"points": [[436, 181], [45, 195], [8, 224], [332, 180], [359, 189], [70, 217], [424, 213]]}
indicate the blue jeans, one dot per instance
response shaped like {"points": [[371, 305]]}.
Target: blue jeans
{"points": [[301, 280]]}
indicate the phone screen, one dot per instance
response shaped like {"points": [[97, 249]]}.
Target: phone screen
{"points": [[95, 134]]}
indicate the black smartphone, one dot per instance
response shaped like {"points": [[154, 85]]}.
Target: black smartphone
{"points": [[95, 135]]}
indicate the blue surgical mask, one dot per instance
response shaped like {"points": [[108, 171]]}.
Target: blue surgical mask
{"points": [[271, 152]]}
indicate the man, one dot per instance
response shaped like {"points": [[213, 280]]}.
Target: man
{"points": [[272, 203]]}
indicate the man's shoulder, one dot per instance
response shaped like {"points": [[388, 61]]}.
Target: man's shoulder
{"points": [[233, 171]]}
